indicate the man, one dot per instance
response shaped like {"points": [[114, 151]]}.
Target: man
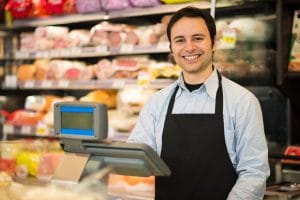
{"points": [[208, 129]]}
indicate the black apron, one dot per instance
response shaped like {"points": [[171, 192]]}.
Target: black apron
{"points": [[193, 146]]}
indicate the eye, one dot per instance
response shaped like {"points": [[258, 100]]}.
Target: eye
{"points": [[179, 40], [198, 38]]}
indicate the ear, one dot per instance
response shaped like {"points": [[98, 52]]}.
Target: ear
{"points": [[214, 47]]}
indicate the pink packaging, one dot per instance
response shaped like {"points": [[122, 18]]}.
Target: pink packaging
{"points": [[145, 3], [90, 6], [115, 4]]}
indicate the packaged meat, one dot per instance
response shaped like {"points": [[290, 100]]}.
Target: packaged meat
{"points": [[79, 38], [41, 68], [115, 4], [90, 6], [24, 117], [47, 165], [145, 3], [103, 69]]}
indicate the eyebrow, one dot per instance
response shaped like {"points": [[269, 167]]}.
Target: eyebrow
{"points": [[195, 35]]}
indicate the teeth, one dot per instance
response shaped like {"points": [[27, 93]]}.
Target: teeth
{"points": [[191, 57]]}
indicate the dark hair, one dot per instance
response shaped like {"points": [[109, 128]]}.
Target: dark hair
{"points": [[194, 13]]}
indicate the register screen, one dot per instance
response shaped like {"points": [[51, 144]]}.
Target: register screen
{"points": [[77, 120]]}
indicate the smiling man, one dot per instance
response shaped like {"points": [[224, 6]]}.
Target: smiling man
{"points": [[208, 129]]}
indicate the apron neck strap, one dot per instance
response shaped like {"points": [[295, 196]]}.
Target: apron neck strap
{"points": [[219, 96]]}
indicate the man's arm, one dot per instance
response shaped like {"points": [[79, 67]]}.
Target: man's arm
{"points": [[143, 131], [252, 152]]}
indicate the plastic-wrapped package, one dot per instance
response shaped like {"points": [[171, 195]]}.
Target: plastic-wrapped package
{"points": [[19, 8], [90, 6], [115, 4], [176, 1], [144, 3], [54, 7]]}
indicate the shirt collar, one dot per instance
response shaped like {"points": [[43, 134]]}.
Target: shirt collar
{"points": [[211, 84]]}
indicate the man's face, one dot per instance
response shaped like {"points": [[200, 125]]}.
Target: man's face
{"points": [[191, 45]]}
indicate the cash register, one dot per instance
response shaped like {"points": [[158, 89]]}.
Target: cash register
{"points": [[82, 129]]}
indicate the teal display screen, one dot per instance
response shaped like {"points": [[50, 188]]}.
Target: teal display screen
{"points": [[77, 120]]}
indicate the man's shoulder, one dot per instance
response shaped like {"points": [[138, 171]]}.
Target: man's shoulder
{"points": [[235, 91]]}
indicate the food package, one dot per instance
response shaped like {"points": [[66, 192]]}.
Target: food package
{"points": [[176, 1], [164, 70], [145, 3], [9, 151], [27, 41], [24, 117], [294, 57], [41, 68], [48, 164], [90, 6], [131, 187], [115, 4], [54, 7], [79, 37], [19, 8], [103, 69], [27, 163], [251, 29], [107, 97], [26, 72], [40, 103]]}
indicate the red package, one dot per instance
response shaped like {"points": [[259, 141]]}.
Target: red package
{"points": [[54, 7], [19, 8], [8, 165]]}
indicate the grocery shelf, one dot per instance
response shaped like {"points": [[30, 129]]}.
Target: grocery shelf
{"points": [[95, 51], [103, 15], [293, 74], [88, 85], [56, 20], [162, 9], [26, 131]]}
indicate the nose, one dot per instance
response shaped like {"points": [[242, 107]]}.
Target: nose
{"points": [[190, 46]]}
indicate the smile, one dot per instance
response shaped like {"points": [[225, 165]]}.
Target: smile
{"points": [[192, 57]]}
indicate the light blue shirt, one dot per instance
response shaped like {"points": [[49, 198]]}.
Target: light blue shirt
{"points": [[243, 124]]}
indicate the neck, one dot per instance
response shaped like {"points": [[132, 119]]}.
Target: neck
{"points": [[197, 78]]}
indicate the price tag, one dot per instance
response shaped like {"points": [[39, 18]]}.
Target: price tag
{"points": [[75, 51], [65, 52], [125, 48], [63, 83], [118, 83], [46, 84], [28, 84], [10, 81], [228, 39], [163, 46], [101, 49], [8, 129], [21, 54], [42, 129], [143, 79], [54, 53], [25, 129]]}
